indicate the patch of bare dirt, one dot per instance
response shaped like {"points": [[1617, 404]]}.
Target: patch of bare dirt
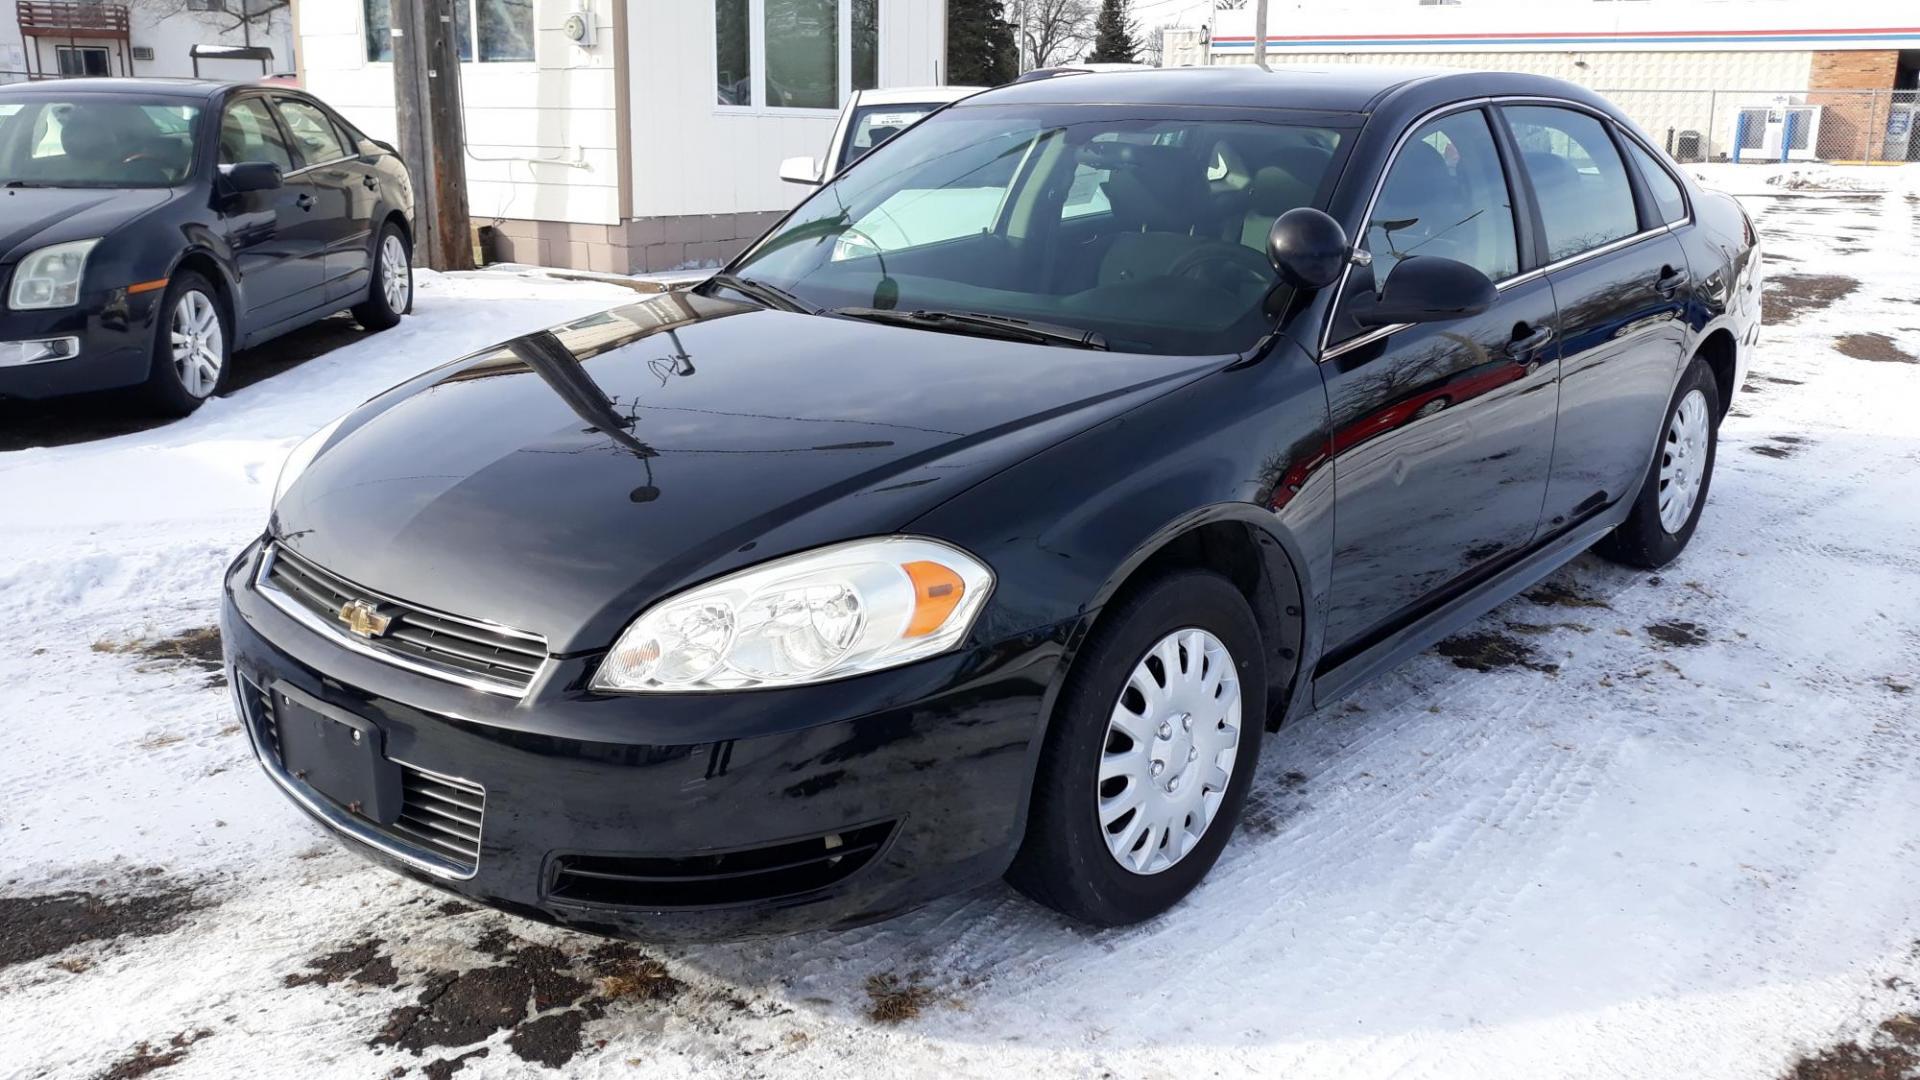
{"points": [[1485, 650], [1780, 446], [198, 648], [1681, 635], [35, 926], [1789, 296], [1892, 1052], [1560, 594], [893, 1000], [1876, 347], [145, 1058], [363, 964]]}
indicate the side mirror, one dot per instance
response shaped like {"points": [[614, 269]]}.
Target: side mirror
{"points": [[1428, 288], [252, 176], [1307, 248], [800, 170]]}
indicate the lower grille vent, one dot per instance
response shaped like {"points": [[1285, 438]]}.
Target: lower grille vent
{"points": [[734, 877]]}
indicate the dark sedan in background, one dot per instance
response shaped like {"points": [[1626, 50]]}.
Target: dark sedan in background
{"points": [[150, 227], [878, 566]]}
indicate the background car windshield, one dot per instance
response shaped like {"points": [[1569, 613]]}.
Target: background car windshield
{"points": [[874, 124], [1147, 225], [96, 143]]}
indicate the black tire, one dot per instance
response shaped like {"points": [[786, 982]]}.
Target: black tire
{"points": [[1064, 861], [377, 312], [167, 390], [1642, 540]]}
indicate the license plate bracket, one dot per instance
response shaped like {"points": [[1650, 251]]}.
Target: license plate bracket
{"points": [[337, 754]]}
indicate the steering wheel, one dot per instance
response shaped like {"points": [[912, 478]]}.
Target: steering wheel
{"points": [[1225, 266]]}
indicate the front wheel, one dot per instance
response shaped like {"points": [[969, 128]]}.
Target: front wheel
{"points": [[390, 293], [190, 348], [1150, 753], [1674, 491]]}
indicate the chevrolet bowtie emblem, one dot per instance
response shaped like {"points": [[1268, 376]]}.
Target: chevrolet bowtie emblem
{"points": [[364, 619]]}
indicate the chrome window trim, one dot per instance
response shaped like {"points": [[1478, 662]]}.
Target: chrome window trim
{"points": [[1326, 327], [300, 614], [425, 861]]}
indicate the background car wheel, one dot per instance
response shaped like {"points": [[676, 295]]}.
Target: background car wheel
{"points": [[190, 348], [390, 294], [1675, 489], [1150, 753]]}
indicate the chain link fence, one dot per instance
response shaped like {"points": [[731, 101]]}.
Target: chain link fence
{"points": [[1838, 126]]}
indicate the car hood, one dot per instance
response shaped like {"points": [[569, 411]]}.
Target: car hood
{"points": [[33, 217], [565, 480]]}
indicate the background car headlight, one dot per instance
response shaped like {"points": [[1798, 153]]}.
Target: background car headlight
{"points": [[303, 456], [819, 615], [50, 277]]}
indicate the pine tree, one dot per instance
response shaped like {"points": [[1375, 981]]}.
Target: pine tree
{"points": [[980, 50], [1112, 36]]}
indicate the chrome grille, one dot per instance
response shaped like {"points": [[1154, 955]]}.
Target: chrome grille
{"points": [[486, 656], [440, 816]]}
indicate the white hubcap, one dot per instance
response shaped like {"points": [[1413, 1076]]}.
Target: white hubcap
{"points": [[1170, 750], [1683, 461], [395, 282], [199, 344]]}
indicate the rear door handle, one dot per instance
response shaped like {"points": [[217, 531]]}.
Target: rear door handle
{"points": [[370, 182], [1669, 281], [1520, 346], [304, 202]]}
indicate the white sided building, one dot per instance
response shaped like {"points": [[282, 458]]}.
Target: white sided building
{"points": [[43, 39], [1753, 79], [631, 135]]}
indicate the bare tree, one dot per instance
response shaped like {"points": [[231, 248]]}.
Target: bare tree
{"points": [[253, 18], [1153, 45], [1059, 31]]}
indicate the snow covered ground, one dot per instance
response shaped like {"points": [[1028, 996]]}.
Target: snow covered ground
{"points": [[1648, 825]]}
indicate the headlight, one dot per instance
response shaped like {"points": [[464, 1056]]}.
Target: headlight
{"points": [[824, 614], [302, 457], [50, 277]]}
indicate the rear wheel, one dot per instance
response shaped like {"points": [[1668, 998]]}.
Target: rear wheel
{"points": [[1674, 492], [190, 348], [1150, 754], [390, 293]]}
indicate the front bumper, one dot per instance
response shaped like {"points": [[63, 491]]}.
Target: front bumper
{"points": [[115, 336], [924, 769]]}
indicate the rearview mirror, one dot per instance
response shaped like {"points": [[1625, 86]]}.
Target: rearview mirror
{"points": [[1428, 288], [252, 176], [800, 170], [1307, 248]]}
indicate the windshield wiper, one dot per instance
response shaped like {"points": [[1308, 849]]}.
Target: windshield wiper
{"points": [[770, 295], [21, 183], [981, 324]]}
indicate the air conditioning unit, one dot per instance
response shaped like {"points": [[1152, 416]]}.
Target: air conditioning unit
{"points": [[1777, 132]]}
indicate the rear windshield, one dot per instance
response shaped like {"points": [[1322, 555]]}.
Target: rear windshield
{"points": [[872, 125], [1145, 224], [96, 142]]}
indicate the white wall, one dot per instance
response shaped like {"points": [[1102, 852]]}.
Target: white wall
{"points": [[169, 35], [692, 156], [543, 139]]}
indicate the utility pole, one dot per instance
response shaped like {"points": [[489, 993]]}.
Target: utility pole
{"points": [[1260, 34], [426, 93]]}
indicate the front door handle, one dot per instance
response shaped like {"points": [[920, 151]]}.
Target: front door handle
{"points": [[304, 202], [1669, 281], [1523, 344]]}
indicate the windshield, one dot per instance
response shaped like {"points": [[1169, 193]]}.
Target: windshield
{"points": [[107, 143], [1146, 225], [872, 125]]}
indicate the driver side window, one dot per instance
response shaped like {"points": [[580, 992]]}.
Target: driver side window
{"points": [[248, 133]]}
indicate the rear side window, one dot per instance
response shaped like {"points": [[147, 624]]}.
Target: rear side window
{"points": [[1667, 200], [1446, 195], [312, 132], [1578, 177], [248, 133]]}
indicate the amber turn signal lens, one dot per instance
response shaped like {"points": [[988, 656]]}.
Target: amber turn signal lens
{"points": [[936, 592]]}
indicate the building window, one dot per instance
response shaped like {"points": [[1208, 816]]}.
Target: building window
{"points": [[82, 59], [795, 54], [505, 29]]}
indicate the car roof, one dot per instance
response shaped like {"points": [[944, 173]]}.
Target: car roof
{"points": [[908, 95], [1355, 88], [184, 89]]}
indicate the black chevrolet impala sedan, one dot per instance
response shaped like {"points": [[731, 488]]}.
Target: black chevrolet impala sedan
{"points": [[979, 519], [149, 227]]}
